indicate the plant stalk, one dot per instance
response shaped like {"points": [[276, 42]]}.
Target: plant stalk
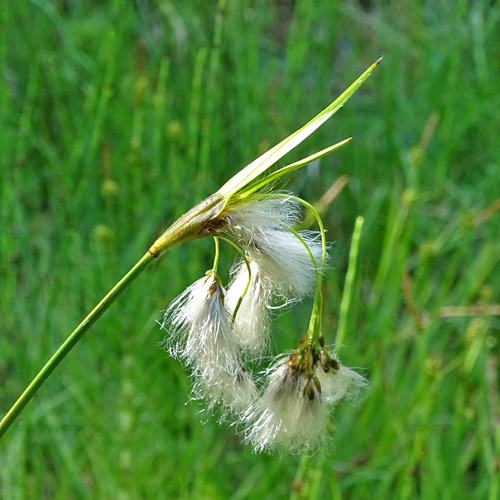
{"points": [[71, 341], [348, 288]]}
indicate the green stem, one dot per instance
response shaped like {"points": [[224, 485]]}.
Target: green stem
{"points": [[216, 258], [351, 273], [314, 330], [71, 341], [242, 254]]}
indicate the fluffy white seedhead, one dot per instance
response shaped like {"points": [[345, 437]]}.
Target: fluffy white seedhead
{"points": [[258, 214], [338, 384], [228, 393], [201, 336], [262, 227], [199, 326], [301, 390], [285, 262], [289, 416], [252, 322]]}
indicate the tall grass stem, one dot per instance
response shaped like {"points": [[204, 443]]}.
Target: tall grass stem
{"points": [[351, 274], [71, 341]]}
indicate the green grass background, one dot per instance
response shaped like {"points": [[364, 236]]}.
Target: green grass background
{"points": [[116, 117]]}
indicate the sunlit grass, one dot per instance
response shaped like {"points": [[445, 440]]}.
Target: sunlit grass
{"points": [[116, 119]]}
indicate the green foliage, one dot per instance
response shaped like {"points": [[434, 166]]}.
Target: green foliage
{"points": [[117, 117]]}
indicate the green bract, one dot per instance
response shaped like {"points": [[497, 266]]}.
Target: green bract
{"points": [[202, 220]]}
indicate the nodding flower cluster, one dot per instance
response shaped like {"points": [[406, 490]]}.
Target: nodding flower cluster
{"points": [[215, 331]]}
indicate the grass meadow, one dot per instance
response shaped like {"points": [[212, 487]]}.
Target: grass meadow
{"points": [[117, 117]]}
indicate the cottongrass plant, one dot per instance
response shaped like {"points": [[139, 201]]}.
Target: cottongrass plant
{"points": [[215, 331], [202, 338], [293, 410]]}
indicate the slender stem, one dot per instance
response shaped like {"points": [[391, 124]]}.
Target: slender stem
{"points": [[245, 260], [308, 250], [71, 341], [314, 330], [351, 273], [216, 258]]}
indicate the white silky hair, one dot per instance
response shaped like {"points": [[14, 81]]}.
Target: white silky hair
{"points": [[261, 213], [292, 413], [263, 227], [252, 322], [339, 384], [285, 262], [284, 418], [201, 337]]}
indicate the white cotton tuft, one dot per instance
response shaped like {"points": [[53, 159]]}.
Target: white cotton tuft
{"points": [[228, 393], [259, 214], [338, 384], [252, 322], [292, 413], [285, 262], [201, 336], [287, 417], [262, 226]]}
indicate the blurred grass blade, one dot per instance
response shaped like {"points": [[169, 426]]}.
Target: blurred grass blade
{"points": [[351, 274]]}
